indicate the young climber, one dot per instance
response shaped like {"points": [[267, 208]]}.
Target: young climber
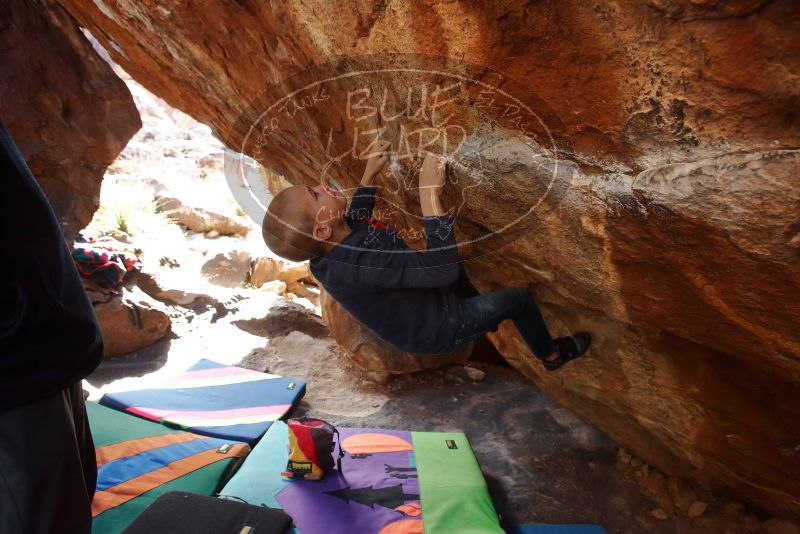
{"points": [[418, 302]]}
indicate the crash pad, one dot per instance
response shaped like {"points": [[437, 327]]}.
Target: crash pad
{"points": [[215, 400], [138, 460], [392, 481]]}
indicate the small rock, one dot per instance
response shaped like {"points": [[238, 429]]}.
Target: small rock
{"points": [[644, 470], [211, 161], [751, 523], [119, 235], [658, 513], [779, 526], [476, 375], [624, 457], [176, 296], [682, 495], [198, 219], [150, 285], [227, 269], [696, 509], [211, 234], [265, 269], [655, 486], [166, 261], [276, 287]]}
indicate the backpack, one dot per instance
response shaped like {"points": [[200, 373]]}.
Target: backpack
{"points": [[178, 512], [311, 448]]}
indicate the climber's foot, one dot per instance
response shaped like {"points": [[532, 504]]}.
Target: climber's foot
{"points": [[569, 348]]}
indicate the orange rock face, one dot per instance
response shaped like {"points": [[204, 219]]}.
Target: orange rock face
{"points": [[375, 358], [634, 163], [129, 325], [67, 111]]}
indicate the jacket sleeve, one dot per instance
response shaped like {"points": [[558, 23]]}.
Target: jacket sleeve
{"points": [[437, 266], [362, 202], [49, 335]]}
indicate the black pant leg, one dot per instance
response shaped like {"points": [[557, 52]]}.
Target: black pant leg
{"points": [[83, 435], [483, 314], [463, 287], [47, 466]]}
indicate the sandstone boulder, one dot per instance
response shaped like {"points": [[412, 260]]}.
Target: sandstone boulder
{"points": [[375, 358], [276, 287], [199, 219], [153, 287], [267, 269], [67, 111], [130, 323], [303, 291], [633, 163], [227, 269]]}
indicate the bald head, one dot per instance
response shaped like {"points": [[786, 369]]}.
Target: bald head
{"points": [[288, 226]]}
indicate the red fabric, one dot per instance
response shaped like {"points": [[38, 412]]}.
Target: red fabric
{"points": [[372, 222], [305, 441]]}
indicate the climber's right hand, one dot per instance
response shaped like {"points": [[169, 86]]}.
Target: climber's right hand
{"points": [[432, 175]]}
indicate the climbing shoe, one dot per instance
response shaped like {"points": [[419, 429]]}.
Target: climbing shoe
{"points": [[569, 348]]}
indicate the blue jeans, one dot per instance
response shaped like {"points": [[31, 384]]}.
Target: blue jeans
{"points": [[483, 313]]}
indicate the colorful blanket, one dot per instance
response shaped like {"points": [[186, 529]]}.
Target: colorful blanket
{"points": [[105, 265], [214, 400], [392, 481], [138, 460]]}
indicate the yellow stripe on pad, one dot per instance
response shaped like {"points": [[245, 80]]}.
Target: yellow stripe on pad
{"points": [[193, 422], [215, 381]]}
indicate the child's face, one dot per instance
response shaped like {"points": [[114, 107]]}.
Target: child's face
{"points": [[324, 205]]}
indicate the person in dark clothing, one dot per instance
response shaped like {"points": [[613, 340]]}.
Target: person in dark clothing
{"points": [[49, 342], [418, 302]]}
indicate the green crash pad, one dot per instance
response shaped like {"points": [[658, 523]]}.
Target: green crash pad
{"points": [[391, 481], [149, 459]]}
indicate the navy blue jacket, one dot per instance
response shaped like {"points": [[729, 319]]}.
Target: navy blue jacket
{"points": [[400, 294], [49, 336]]}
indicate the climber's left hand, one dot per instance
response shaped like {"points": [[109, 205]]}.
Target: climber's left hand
{"points": [[379, 155]]}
